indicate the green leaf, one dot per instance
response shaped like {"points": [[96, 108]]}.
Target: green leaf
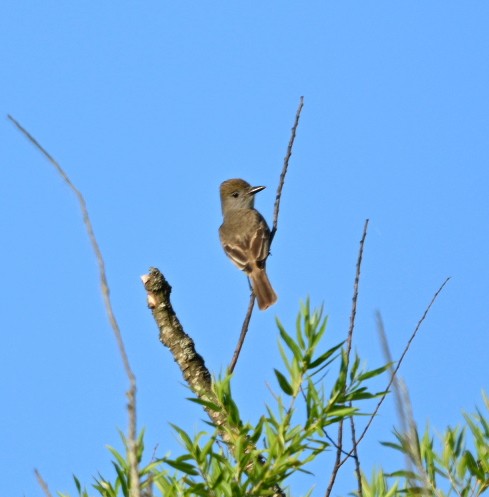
{"points": [[372, 373], [255, 436], [473, 467], [392, 445], [218, 480], [392, 491], [342, 412], [291, 344], [122, 478], [206, 403], [207, 448], [122, 462], [354, 366], [324, 357], [187, 441], [408, 475], [322, 328], [284, 357], [182, 466], [284, 384], [77, 484], [298, 329]]}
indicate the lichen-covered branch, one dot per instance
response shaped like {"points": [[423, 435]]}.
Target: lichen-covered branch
{"points": [[190, 362]]}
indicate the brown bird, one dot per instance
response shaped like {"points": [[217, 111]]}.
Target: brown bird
{"points": [[245, 236]]}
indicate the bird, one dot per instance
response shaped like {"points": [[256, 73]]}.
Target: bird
{"points": [[245, 236]]}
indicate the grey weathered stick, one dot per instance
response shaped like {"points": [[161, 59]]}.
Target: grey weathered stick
{"points": [[131, 394]]}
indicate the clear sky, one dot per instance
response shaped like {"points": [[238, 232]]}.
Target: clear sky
{"points": [[149, 106]]}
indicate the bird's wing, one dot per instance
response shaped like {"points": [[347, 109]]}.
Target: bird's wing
{"points": [[249, 247]]}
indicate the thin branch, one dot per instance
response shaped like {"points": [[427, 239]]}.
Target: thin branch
{"points": [[337, 463], [249, 312], [43, 484], [333, 443], [396, 369], [356, 457], [284, 170], [242, 336], [131, 394], [353, 313], [339, 443]]}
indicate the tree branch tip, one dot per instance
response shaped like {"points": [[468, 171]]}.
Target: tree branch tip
{"points": [[155, 283]]}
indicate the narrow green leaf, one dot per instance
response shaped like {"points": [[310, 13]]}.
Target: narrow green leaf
{"points": [[206, 403], [255, 436], [298, 332], [284, 357], [472, 466], [319, 333], [122, 480], [186, 439], [409, 475], [291, 344], [122, 462], [392, 491], [218, 480], [354, 366], [188, 469], [342, 412], [373, 372], [392, 445], [284, 384], [207, 448], [77, 484], [324, 357]]}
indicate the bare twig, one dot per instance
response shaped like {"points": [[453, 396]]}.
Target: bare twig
{"points": [[43, 484], [356, 457], [337, 463], [353, 313], [242, 336], [284, 170], [396, 369], [131, 394], [339, 443], [246, 322]]}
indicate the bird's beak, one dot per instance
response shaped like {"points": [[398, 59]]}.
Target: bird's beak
{"points": [[255, 189]]}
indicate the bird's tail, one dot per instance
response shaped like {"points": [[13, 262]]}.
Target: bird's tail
{"points": [[262, 288]]}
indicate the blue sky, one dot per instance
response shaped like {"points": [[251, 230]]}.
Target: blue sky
{"points": [[149, 106]]}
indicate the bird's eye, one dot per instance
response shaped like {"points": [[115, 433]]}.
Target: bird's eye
{"points": [[235, 194]]}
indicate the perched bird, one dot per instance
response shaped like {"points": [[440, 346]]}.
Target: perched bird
{"points": [[245, 236]]}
